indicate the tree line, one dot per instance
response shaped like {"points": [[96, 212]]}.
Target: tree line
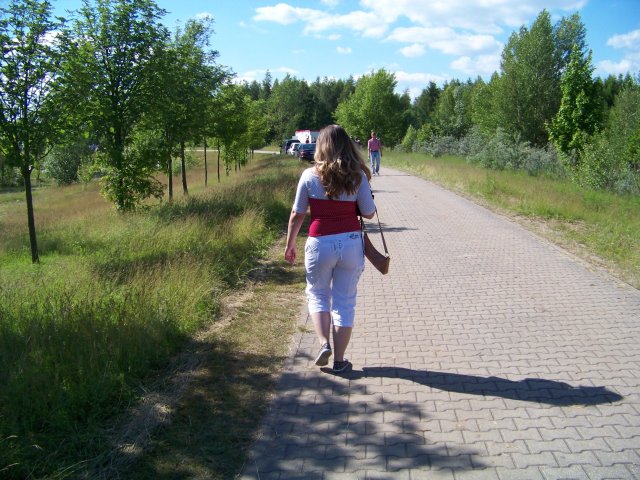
{"points": [[543, 111], [112, 92]]}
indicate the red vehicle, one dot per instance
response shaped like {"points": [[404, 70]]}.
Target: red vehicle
{"points": [[306, 151]]}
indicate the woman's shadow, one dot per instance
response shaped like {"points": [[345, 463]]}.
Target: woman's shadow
{"points": [[550, 392]]}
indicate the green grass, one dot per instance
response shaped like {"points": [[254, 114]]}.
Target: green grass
{"points": [[587, 221], [113, 299]]}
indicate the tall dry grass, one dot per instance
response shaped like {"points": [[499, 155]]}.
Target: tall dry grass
{"points": [[114, 297]]}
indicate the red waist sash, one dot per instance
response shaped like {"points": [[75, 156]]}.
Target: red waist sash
{"points": [[329, 217]]}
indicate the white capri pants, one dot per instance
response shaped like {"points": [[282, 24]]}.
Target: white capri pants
{"points": [[334, 264]]}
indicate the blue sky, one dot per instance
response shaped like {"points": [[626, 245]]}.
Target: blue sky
{"points": [[417, 40]]}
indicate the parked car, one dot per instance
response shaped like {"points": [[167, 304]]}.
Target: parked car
{"points": [[307, 151], [293, 149], [287, 143]]}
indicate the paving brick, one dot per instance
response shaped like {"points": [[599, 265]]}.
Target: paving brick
{"points": [[630, 456], [528, 434], [563, 473], [573, 458], [342, 476], [483, 474], [561, 433], [534, 459], [375, 475], [621, 444], [558, 445], [595, 444], [486, 353], [615, 472], [529, 473]]}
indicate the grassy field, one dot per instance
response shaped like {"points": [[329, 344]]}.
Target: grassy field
{"points": [[87, 332], [601, 227]]}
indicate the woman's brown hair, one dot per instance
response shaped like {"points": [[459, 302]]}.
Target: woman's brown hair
{"points": [[339, 162]]}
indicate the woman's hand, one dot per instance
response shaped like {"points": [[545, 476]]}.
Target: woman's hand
{"points": [[290, 254]]}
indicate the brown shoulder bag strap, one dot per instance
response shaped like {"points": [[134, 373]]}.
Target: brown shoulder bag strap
{"points": [[384, 243]]}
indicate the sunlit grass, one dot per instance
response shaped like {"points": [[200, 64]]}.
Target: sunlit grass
{"points": [[113, 298], [602, 223]]}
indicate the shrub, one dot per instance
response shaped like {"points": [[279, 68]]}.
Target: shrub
{"points": [[63, 162], [441, 145], [541, 161], [409, 142]]}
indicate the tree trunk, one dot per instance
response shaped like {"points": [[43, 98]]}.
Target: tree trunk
{"points": [[206, 168], [26, 174], [170, 176], [184, 170], [218, 161], [118, 158]]}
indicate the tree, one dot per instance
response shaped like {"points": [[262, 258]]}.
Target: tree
{"points": [[257, 126], [484, 111], [608, 89], [64, 162], [425, 104], [611, 159], [187, 77], [577, 117], [410, 138], [30, 115], [253, 89], [529, 93], [266, 86], [290, 107], [569, 35], [231, 124], [112, 63], [374, 106], [452, 115], [326, 97]]}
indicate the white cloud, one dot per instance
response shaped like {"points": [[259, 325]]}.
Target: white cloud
{"points": [[480, 65], [629, 43], [283, 14], [413, 50], [416, 82], [615, 68], [474, 22], [446, 40], [204, 16], [627, 40], [365, 23], [318, 21], [258, 74], [287, 70], [421, 78], [249, 76], [480, 16], [465, 30], [343, 50]]}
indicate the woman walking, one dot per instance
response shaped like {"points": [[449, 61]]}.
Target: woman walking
{"points": [[336, 189]]}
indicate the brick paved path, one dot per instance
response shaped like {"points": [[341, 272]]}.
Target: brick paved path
{"points": [[486, 353]]}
